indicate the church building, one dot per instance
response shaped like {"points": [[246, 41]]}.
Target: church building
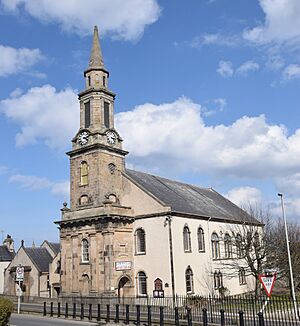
{"points": [[129, 233]]}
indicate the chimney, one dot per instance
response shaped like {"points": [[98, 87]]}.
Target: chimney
{"points": [[9, 243]]}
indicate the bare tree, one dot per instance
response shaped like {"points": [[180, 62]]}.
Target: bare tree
{"points": [[258, 247]]}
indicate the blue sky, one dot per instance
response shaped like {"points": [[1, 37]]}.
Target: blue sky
{"points": [[207, 93]]}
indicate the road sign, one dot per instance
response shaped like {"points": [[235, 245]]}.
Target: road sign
{"points": [[20, 273], [19, 291], [267, 282]]}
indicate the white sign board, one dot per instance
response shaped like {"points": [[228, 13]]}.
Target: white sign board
{"points": [[19, 291], [19, 273], [123, 265], [267, 282]]}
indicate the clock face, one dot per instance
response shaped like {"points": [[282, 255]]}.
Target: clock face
{"points": [[83, 138], [111, 137]]}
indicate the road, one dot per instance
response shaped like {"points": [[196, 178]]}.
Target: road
{"points": [[31, 320]]}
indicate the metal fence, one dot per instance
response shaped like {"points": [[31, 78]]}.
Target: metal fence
{"points": [[181, 310]]}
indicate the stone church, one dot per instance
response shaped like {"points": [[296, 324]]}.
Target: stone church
{"points": [[129, 233]]}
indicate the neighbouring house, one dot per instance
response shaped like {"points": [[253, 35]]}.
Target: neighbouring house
{"points": [[7, 254], [37, 262]]}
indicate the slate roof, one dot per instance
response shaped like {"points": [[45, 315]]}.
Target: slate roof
{"points": [[55, 247], [40, 257], [189, 199], [5, 254]]}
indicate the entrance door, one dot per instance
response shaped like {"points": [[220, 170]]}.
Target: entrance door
{"points": [[124, 287]]}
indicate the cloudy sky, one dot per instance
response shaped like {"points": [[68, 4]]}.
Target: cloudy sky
{"points": [[207, 93]]}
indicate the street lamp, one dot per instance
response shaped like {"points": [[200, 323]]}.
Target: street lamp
{"points": [[288, 252]]}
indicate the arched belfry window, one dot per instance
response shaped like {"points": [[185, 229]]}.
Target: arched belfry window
{"points": [[84, 174], [142, 283], [187, 239], [85, 255], [140, 242], [201, 243], [189, 281], [215, 246], [87, 114]]}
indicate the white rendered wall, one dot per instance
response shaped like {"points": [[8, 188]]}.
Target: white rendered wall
{"points": [[156, 262]]}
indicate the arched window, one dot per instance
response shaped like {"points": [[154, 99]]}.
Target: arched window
{"points": [[218, 280], [84, 174], [256, 241], [239, 246], [189, 282], [142, 283], [140, 242], [228, 246], [104, 81], [85, 256], [201, 244], [187, 239], [242, 276], [215, 246], [89, 80]]}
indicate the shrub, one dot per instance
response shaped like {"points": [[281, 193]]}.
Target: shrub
{"points": [[6, 308]]}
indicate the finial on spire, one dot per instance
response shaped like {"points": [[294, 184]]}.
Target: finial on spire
{"points": [[96, 60]]}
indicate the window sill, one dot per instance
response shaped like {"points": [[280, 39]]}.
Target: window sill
{"points": [[187, 251], [84, 263], [201, 251], [140, 253]]}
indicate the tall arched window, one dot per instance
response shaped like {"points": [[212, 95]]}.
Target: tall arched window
{"points": [[189, 282], [238, 244], [201, 244], [84, 174], [215, 246], [218, 280], [140, 242], [142, 283], [228, 246], [187, 239], [242, 276], [85, 256]]}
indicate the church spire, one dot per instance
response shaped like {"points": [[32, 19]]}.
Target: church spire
{"points": [[96, 59]]}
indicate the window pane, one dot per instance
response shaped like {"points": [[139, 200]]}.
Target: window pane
{"points": [[87, 114]]}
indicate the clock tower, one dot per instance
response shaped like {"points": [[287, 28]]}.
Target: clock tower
{"points": [[96, 228], [97, 158]]}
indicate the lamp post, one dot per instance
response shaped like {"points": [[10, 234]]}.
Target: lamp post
{"points": [[289, 253]]}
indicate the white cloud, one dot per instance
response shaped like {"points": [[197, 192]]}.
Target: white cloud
{"points": [[44, 114], [119, 18], [14, 61], [215, 39], [245, 196], [291, 71], [221, 102], [225, 68], [160, 135], [246, 67], [281, 23], [35, 183]]}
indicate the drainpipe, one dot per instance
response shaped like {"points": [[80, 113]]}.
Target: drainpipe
{"points": [[169, 220]]}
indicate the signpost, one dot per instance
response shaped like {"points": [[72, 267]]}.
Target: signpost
{"points": [[19, 279], [267, 281]]}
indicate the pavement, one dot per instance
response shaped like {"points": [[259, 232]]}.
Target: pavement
{"points": [[32, 320]]}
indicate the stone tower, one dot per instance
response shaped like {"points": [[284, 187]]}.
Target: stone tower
{"points": [[96, 232]]}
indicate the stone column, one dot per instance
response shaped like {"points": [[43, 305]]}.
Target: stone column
{"points": [[108, 251]]}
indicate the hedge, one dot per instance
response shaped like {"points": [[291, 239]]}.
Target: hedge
{"points": [[6, 308]]}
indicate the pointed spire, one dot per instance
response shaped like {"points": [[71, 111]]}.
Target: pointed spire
{"points": [[96, 60]]}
